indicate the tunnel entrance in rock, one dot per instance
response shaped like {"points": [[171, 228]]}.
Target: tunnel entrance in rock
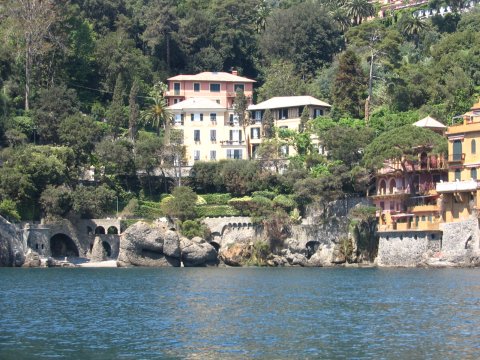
{"points": [[62, 245], [215, 245], [107, 248], [312, 247]]}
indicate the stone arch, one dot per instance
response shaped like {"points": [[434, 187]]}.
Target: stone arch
{"points": [[215, 245], [108, 249], [112, 230], [382, 187], [100, 230], [312, 247], [62, 245], [234, 225]]}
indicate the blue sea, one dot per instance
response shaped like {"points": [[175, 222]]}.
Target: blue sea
{"points": [[239, 313]]}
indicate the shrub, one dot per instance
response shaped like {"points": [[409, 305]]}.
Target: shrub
{"points": [[217, 199], [181, 205], [243, 204], [8, 209], [200, 201], [264, 193], [285, 202], [216, 211], [192, 228]]}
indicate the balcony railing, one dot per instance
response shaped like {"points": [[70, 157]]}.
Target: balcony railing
{"points": [[232, 142], [455, 186], [456, 158]]}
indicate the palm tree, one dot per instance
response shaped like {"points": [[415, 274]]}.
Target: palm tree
{"points": [[411, 27], [158, 115], [358, 10], [262, 12]]}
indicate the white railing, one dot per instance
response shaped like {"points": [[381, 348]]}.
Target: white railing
{"points": [[454, 186]]}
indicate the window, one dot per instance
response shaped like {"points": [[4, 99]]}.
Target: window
{"points": [[457, 150], [213, 135], [458, 175], [255, 133], [213, 117], [234, 154], [213, 155], [196, 117], [317, 113], [473, 173], [238, 87], [257, 116], [178, 119], [235, 135], [231, 119], [196, 155], [382, 205], [474, 146], [283, 114], [176, 88], [175, 101], [196, 135], [214, 87], [284, 150], [196, 87]]}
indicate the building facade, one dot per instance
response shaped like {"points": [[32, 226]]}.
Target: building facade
{"points": [[406, 196], [287, 112], [460, 193]]}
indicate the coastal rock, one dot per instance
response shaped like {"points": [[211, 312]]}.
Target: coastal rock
{"points": [[32, 260], [12, 248], [197, 252], [149, 245], [295, 259], [235, 254], [321, 258], [98, 251]]}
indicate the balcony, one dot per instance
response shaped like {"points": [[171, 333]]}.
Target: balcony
{"points": [[232, 142], [457, 186], [456, 158]]}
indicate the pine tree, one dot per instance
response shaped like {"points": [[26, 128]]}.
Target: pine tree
{"points": [[116, 114], [304, 119], [134, 111], [350, 86], [268, 124]]}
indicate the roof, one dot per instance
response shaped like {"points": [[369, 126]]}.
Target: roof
{"points": [[430, 122], [212, 76], [196, 103], [288, 101]]}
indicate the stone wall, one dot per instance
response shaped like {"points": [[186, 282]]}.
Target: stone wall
{"points": [[406, 248], [461, 243]]}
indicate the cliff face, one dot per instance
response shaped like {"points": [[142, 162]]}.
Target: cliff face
{"points": [[12, 245]]}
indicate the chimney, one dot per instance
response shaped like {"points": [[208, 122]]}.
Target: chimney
{"points": [[234, 72]]}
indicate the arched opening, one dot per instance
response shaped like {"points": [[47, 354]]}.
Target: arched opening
{"points": [[215, 245], [312, 247], [112, 230], [100, 230], [382, 187], [391, 186], [62, 245], [107, 248]]}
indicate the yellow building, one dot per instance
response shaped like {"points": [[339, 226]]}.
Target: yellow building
{"points": [[460, 194]]}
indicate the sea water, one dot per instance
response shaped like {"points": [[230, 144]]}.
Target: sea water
{"points": [[239, 313]]}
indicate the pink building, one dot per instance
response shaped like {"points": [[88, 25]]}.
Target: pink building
{"points": [[219, 87]]}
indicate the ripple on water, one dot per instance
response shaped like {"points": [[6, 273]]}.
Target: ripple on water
{"points": [[239, 313]]}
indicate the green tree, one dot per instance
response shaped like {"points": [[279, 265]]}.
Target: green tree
{"points": [[304, 119], [79, 132], [50, 108], [240, 105], [281, 79], [358, 10], [8, 209], [349, 88], [92, 202], [134, 112], [403, 145], [116, 157], [56, 201], [182, 204], [412, 26], [268, 125], [157, 114], [116, 111]]}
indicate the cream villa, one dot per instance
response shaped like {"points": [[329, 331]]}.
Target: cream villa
{"points": [[286, 111], [202, 108]]}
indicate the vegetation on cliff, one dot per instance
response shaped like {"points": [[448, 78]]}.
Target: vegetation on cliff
{"points": [[80, 89]]}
